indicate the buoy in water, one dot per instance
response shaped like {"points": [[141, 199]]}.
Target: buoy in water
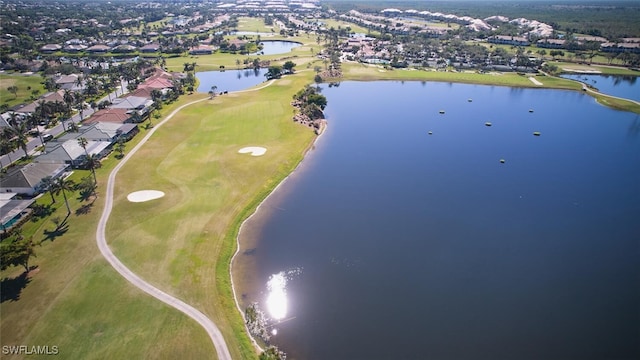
{"points": [[441, 111], [537, 133], [501, 161], [530, 110], [469, 100], [487, 124], [430, 132]]}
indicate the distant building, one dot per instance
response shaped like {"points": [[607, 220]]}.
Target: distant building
{"points": [[50, 48], [509, 40], [201, 50]]}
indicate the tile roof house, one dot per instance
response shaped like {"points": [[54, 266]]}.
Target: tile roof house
{"points": [[111, 115]]}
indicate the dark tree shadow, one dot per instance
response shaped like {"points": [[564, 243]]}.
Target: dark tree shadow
{"points": [[84, 209], [60, 230], [250, 252], [11, 288]]}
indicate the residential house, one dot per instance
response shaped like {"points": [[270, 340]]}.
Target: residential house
{"points": [[71, 153], [551, 43], [509, 40], [48, 97], [28, 179], [149, 48], [12, 210], [50, 48], [98, 49], [621, 47], [109, 115], [201, 50], [134, 104]]}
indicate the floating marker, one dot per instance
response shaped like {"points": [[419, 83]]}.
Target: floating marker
{"points": [[530, 110], [469, 100], [441, 111], [487, 124], [501, 161], [537, 133], [430, 132]]}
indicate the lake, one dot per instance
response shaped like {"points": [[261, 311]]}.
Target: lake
{"points": [[230, 80], [277, 47], [622, 86], [390, 243]]}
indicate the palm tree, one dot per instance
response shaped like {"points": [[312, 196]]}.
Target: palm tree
{"points": [[6, 146], [62, 185], [83, 143], [92, 162], [49, 185], [20, 132]]}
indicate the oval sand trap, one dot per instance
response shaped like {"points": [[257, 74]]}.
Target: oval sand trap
{"points": [[144, 195], [254, 150]]}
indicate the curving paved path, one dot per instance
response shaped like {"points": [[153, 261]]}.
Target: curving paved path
{"points": [[214, 333], [210, 327]]}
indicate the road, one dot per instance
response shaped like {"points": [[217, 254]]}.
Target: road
{"points": [[35, 142], [214, 333]]}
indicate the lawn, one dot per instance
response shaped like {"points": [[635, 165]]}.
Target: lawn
{"points": [[299, 55], [25, 84], [74, 300], [254, 24], [608, 70], [373, 72], [337, 24]]}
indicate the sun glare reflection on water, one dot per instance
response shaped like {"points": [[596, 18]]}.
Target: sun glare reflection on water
{"points": [[277, 297]]}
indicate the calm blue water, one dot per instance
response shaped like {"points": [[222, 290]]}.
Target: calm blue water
{"points": [[277, 47], [230, 80], [397, 244], [627, 87]]}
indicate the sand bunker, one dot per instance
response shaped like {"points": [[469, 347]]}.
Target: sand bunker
{"points": [[253, 150], [144, 195]]}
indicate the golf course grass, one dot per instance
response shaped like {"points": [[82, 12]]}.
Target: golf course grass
{"points": [[25, 83]]}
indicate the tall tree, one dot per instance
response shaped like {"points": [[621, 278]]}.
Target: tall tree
{"points": [[62, 185], [14, 90], [49, 185], [16, 251], [21, 139], [92, 162]]}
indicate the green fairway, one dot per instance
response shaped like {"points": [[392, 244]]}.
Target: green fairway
{"points": [[182, 241], [337, 24], [255, 24], [25, 83], [299, 55]]}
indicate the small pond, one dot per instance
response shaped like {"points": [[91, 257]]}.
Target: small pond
{"points": [[230, 80], [277, 47], [627, 87]]}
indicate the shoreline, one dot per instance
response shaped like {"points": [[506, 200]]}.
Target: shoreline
{"points": [[253, 213]]}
